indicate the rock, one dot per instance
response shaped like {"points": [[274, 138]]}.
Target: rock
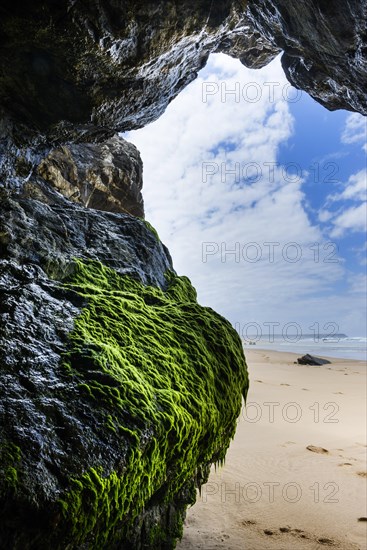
{"points": [[52, 235], [324, 47], [84, 71], [311, 360], [78, 71], [105, 177], [117, 390]]}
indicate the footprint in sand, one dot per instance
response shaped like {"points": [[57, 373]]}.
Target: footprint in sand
{"points": [[318, 450], [362, 474], [345, 464], [259, 381], [305, 389], [285, 384], [362, 519], [326, 541], [338, 393], [298, 533], [222, 537]]}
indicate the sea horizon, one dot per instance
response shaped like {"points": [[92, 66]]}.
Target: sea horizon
{"points": [[340, 346]]}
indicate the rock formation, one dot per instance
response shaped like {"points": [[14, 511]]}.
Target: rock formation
{"points": [[114, 382], [117, 390], [312, 360], [105, 176]]}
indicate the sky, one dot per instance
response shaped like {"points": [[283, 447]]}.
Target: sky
{"points": [[259, 193]]}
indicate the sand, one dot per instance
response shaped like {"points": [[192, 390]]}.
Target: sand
{"points": [[295, 473]]}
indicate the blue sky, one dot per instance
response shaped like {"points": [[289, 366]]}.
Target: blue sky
{"points": [[260, 194]]}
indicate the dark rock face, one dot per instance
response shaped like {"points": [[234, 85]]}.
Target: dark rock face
{"points": [[38, 243], [51, 232], [69, 68], [324, 44]]}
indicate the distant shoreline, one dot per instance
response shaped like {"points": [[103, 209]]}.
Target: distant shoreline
{"points": [[293, 355], [327, 350]]}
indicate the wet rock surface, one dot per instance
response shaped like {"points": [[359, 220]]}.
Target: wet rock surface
{"points": [[52, 232], [58, 429], [324, 44], [51, 432], [42, 413], [70, 69]]}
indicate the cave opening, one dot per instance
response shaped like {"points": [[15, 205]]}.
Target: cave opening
{"points": [[259, 193]]}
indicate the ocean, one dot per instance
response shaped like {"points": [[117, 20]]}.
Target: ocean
{"points": [[346, 347]]}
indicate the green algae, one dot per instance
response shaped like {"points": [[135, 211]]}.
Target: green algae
{"points": [[151, 229], [10, 458], [173, 369]]}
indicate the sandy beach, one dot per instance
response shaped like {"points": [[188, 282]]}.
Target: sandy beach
{"points": [[275, 493]]}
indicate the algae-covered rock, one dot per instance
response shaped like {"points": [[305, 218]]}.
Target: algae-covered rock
{"points": [[117, 390]]}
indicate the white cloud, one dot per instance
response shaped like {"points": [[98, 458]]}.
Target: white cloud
{"points": [[352, 219], [325, 216], [355, 129], [355, 189], [211, 176]]}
